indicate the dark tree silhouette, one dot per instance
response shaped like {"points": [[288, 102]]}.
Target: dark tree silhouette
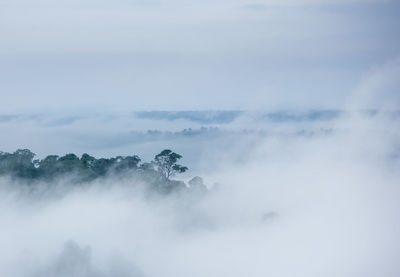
{"points": [[86, 168], [166, 163]]}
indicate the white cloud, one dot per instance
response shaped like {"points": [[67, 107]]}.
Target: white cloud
{"points": [[335, 198], [379, 89]]}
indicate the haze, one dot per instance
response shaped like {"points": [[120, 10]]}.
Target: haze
{"points": [[289, 111]]}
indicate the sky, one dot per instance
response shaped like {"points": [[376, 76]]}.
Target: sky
{"points": [[193, 55], [297, 197]]}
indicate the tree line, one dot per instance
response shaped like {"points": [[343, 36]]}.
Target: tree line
{"points": [[22, 165]]}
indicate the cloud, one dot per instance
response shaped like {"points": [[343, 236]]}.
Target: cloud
{"points": [[297, 197], [333, 197], [379, 88], [76, 261], [183, 55]]}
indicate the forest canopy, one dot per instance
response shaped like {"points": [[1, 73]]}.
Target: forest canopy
{"points": [[158, 172]]}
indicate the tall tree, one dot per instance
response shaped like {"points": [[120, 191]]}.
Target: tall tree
{"points": [[166, 163]]}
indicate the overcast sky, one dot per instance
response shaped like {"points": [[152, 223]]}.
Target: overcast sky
{"points": [[121, 55]]}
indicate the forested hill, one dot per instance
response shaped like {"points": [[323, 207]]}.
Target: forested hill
{"points": [[157, 173]]}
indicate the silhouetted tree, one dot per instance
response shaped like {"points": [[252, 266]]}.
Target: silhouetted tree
{"points": [[166, 163], [155, 174]]}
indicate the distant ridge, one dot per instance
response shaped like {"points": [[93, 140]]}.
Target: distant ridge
{"points": [[228, 116], [224, 117], [205, 117]]}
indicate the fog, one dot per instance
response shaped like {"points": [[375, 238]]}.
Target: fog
{"points": [[315, 204], [289, 111]]}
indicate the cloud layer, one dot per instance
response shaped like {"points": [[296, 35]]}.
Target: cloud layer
{"points": [[138, 55], [286, 206]]}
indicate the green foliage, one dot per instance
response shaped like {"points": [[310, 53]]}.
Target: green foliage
{"points": [[126, 163], [166, 163], [157, 173], [18, 164]]}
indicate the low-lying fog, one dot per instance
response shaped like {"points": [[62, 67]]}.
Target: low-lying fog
{"points": [[321, 203]]}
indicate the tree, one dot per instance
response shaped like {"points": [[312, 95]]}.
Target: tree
{"points": [[70, 163], [87, 160], [126, 163], [197, 184], [18, 164], [166, 163], [49, 167], [157, 173]]}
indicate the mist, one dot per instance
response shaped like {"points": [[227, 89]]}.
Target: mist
{"points": [[320, 204], [288, 110]]}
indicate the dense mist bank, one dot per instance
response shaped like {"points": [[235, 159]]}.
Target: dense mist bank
{"points": [[319, 205]]}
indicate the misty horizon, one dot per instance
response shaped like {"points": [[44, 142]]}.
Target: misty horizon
{"points": [[336, 204], [178, 138]]}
